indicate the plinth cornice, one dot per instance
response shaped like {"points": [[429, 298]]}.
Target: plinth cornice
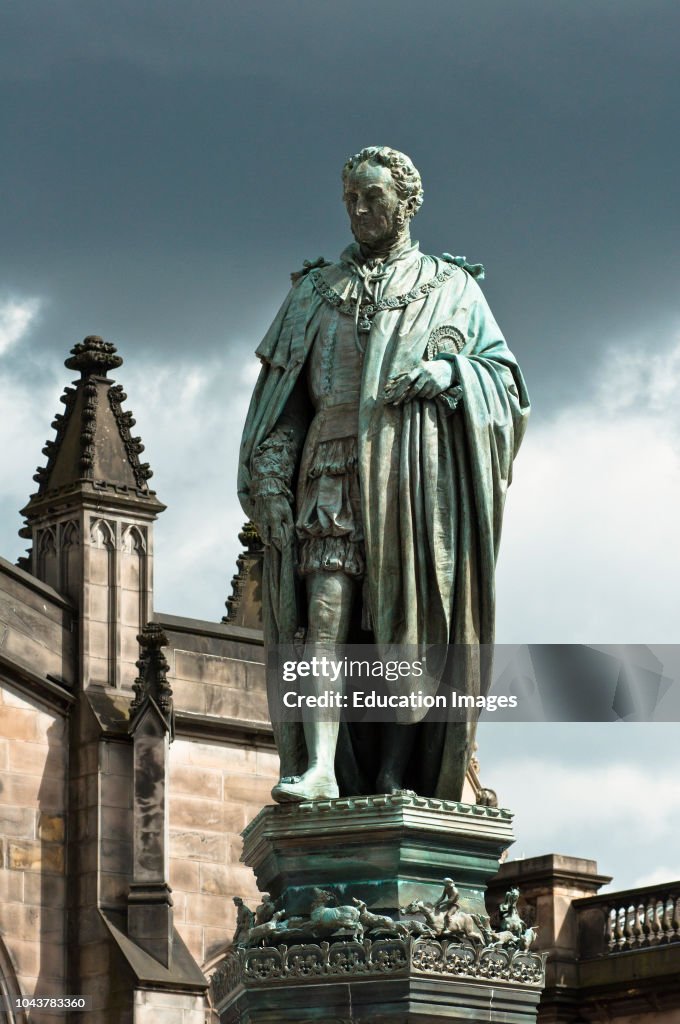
{"points": [[377, 816], [316, 963], [381, 809]]}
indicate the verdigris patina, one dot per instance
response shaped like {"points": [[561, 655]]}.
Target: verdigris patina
{"points": [[313, 981], [350, 943], [328, 918], [375, 461]]}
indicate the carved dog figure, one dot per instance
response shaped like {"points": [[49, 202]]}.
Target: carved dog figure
{"points": [[261, 932], [380, 922], [510, 940]]}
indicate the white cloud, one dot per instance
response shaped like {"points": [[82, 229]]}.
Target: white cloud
{"points": [[190, 420], [567, 793], [16, 318], [659, 876], [24, 426], [644, 382], [589, 552], [27, 409], [620, 814]]}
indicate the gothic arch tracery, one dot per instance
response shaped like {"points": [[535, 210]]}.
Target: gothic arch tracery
{"points": [[70, 534], [133, 540], [102, 534]]}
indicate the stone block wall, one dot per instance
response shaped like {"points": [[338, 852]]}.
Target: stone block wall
{"points": [[36, 628], [215, 790], [33, 764], [168, 1007], [115, 802], [223, 682]]}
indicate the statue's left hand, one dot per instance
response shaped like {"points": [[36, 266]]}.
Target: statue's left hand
{"points": [[425, 381], [275, 521]]}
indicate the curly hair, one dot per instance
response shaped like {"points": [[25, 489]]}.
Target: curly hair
{"points": [[404, 174]]}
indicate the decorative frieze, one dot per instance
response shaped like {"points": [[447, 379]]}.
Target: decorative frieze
{"points": [[316, 962]]}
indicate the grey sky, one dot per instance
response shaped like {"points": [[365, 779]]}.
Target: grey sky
{"points": [[166, 165]]}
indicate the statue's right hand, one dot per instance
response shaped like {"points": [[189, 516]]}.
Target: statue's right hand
{"points": [[275, 521]]}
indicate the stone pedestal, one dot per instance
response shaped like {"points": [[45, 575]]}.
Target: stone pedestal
{"points": [[386, 851]]}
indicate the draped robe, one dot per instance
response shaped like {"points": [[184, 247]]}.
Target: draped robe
{"points": [[433, 487]]}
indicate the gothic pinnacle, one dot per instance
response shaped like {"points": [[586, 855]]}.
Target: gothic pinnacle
{"points": [[93, 356]]}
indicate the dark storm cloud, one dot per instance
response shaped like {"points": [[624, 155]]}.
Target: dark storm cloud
{"points": [[169, 164]]}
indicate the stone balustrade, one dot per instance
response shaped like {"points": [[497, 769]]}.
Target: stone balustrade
{"points": [[617, 922]]}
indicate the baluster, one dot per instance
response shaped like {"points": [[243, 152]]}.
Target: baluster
{"points": [[647, 922], [656, 926], [667, 917], [621, 927], [642, 920], [638, 929], [630, 924], [675, 917], [610, 928]]}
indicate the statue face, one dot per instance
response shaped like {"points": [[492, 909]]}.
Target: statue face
{"points": [[373, 205]]}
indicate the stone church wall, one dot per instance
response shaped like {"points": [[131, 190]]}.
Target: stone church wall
{"points": [[215, 790], [218, 780], [168, 1008], [33, 761], [36, 667]]}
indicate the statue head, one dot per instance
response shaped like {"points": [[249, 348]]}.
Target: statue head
{"points": [[382, 191]]}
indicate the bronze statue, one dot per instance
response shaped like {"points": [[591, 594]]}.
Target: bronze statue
{"points": [[375, 462], [245, 919], [446, 917]]}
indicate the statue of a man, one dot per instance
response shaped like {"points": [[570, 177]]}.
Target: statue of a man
{"points": [[245, 919], [375, 462]]}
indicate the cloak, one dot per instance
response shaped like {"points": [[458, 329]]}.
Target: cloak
{"points": [[433, 486]]}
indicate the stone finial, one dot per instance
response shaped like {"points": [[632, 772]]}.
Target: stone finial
{"points": [[244, 604], [93, 356], [94, 449], [151, 684]]}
